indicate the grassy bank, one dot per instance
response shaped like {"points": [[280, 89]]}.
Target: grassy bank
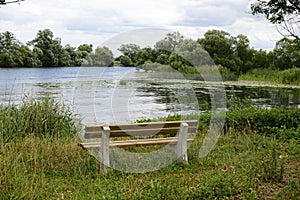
{"points": [[245, 164], [289, 76]]}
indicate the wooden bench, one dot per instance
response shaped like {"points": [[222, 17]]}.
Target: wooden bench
{"points": [[139, 134]]}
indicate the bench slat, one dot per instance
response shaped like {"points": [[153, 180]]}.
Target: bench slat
{"points": [[130, 143], [138, 132], [141, 126], [139, 129]]}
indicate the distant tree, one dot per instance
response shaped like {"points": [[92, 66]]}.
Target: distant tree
{"points": [[193, 53], [71, 57], [15, 54], [51, 48], [284, 13], [170, 42], [125, 61], [102, 56], [287, 54], [7, 39], [144, 55], [228, 51], [130, 50], [217, 43], [84, 50]]}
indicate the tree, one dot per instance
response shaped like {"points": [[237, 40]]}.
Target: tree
{"points": [[101, 57], [85, 49], [193, 53], [15, 54], [144, 55], [287, 54], [125, 61], [7, 39], [52, 49], [284, 13], [130, 50], [170, 42], [217, 43]]}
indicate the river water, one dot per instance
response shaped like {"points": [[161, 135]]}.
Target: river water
{"points": [[121, 94]]}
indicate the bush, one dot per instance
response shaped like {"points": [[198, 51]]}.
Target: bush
{"points": [[42, 118]]}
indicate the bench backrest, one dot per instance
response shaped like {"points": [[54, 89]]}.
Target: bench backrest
{"points": [[140, 129]]}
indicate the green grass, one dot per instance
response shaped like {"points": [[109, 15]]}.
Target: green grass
{"points": [[44, 165], [240, 166], [289, 76], [41, 118]]}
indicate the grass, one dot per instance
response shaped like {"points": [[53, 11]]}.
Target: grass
{"points": [[44, 117], [240, 166], [243, 165], [289, 76]]}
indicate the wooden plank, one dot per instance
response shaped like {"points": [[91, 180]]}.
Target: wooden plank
{"points": [[130, 143], [139, 132], [140, 126]]}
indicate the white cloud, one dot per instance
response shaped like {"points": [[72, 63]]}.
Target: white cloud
{"points": [[95, 21]]}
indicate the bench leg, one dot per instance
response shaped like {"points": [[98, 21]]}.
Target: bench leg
{"points": [[104, 149], [181, 147]]}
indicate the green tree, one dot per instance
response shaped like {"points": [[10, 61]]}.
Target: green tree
{"points": [[130, 50], [125, 61], [84, 50], [284, 13], [193, 53], [219, 45], [287, 53], [14, 54], [170, 42], [144, 55], [52, 49], [102, 56], [242, 53]]}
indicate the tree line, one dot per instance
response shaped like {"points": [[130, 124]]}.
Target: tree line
{"points": [[47, 51], [233, 53]]}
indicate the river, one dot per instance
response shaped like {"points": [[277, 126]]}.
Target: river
{"points": [[121, 94]]}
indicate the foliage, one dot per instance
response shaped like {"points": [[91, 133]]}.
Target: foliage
{"points": [[170, 42], [130, 50], [285, 13], [125, 61], [287, 54], [46, 51], [41, 118], [101, 57]]}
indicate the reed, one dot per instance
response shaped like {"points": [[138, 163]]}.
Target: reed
{"points": [[289, 76], [39, 117]]}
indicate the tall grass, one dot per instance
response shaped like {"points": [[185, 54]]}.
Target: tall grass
{"points": [[289, 76], [42, 118]]}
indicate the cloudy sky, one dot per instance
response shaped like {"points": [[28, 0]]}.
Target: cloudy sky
{"points": [[96, 21]]}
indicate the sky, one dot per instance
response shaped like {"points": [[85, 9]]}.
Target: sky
{"points": [[97, 21]]}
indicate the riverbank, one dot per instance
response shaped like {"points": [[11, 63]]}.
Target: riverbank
{"points": [[248, 162]]}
